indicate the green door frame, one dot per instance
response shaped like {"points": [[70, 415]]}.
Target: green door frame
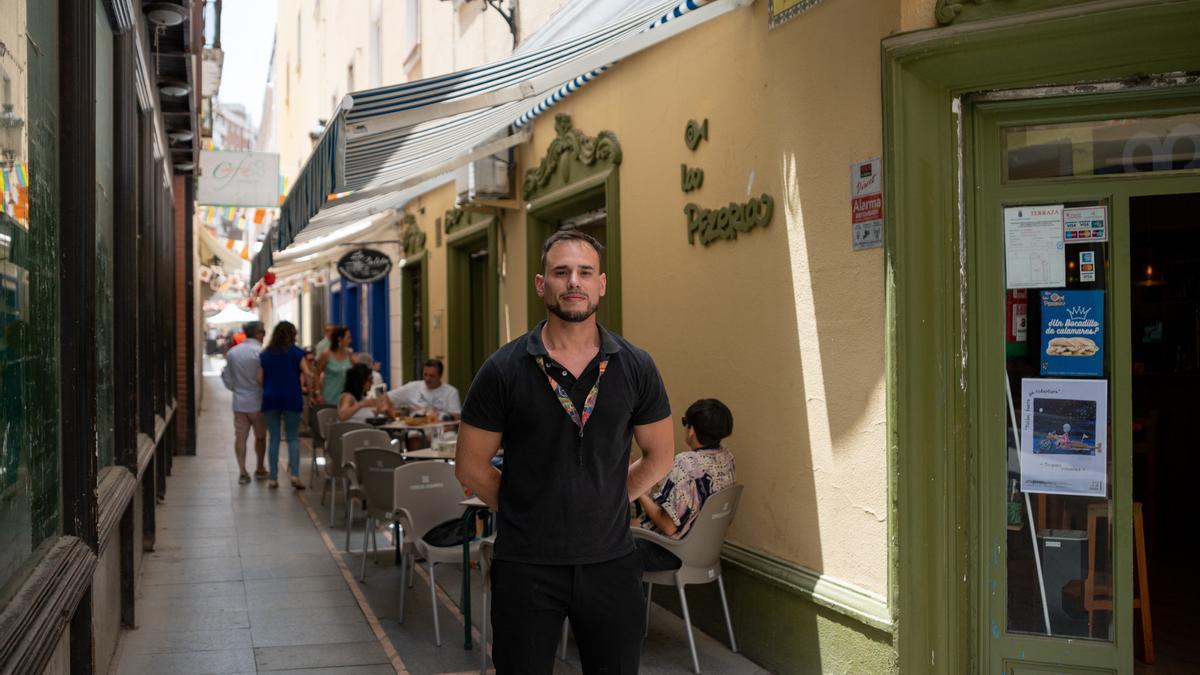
{"points": [[406, 312], [474, 231], [986, 311], [924, 77], [576, 169]]}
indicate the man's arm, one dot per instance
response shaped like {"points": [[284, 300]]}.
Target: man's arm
{"points": [[658, 515], [657, 441], [473, 462]]}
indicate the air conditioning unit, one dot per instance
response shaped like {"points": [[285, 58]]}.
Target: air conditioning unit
{"points": [[486, 178]]}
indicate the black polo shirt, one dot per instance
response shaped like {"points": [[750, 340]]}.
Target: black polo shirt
{"points": [[564, 498]]}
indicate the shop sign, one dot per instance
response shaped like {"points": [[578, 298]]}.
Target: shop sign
{"points": [[364, 266], [1072, 333], [709, 225], [1064, 426], [725, 223], [782, 11], [238, 178], [866, 203]]}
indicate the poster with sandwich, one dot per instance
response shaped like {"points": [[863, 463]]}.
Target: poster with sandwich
{"points": [[1072, 333]]}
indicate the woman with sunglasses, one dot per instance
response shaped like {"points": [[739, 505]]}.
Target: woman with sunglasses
{"points": [[707, 468]]}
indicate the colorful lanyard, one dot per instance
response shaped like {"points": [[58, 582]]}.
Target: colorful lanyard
{"points": [[588, 404]]}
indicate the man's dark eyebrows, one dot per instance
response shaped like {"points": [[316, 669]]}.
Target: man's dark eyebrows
{"points": [[564, 266]]}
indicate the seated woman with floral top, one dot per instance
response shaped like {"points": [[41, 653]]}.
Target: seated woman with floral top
{"points": [[698, 473]]}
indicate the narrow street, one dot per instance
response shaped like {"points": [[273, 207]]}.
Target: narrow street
{"points": [[245, 579]]}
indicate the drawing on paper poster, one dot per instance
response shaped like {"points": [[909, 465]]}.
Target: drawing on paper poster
{"points": [[1064, 427]]}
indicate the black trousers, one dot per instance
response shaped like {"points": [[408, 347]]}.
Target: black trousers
{"points": [[603, 601]]}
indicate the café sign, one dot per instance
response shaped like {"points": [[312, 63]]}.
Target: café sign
{"points": [[364, 266]]}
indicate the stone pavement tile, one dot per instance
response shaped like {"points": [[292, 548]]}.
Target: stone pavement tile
{"points": [[189, 663], [322, 616], [308, 634], [288, 565], [194, 590], [281, 544], [174, 532], [153, 602], [301, 598], [351, 670], [320, 656], [196, 570], [171, 618], [146, 640], [256, 587], [208, 547]]}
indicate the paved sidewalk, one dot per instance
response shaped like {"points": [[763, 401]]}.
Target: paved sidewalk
{"points": [[243, 581]]}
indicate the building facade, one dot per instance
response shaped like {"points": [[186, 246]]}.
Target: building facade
{"points": [[827, 215], [99, 134]]}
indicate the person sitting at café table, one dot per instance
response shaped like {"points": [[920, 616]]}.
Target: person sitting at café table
{"points": [[428, 394], [696, 474], [353, 405]]}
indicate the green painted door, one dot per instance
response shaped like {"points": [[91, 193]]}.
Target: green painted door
{"points": [[1051, 422]]}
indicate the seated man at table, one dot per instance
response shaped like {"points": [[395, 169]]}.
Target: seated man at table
{"points": [[696, 474], [429, 394]]}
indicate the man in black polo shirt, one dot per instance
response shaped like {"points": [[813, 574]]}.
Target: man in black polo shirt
{"points": [[564, 401]]}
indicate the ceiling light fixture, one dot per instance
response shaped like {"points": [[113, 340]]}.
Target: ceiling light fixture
{"points": [[184, 166], [173, 88], [181, 136], [165, 14]]}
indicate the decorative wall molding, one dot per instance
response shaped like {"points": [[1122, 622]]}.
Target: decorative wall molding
{"points": [[951, 11], [840, 596], [459, 219], [34, 619], [571, 152], [412, 237]]}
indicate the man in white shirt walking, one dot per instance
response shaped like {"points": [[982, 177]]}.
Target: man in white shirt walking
{"points": [[241, 377], [429, 393]]}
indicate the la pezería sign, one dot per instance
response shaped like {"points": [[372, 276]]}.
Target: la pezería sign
{"points": [[364, 265]]}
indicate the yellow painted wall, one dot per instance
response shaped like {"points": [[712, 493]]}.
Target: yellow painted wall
{"points": [[786, 324]]}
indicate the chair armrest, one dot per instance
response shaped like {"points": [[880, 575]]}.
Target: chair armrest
{"points": [[656, 538], [351, 472]]}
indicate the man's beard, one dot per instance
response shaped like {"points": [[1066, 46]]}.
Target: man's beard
{"points": [[572, 316]]}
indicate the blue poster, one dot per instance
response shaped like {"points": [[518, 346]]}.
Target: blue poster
{"points": [[1073, 333]]}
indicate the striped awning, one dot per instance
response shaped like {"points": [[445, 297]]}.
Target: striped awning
{"points": [[393, 138]]}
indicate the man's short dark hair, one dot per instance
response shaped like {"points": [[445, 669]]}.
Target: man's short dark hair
{"points": [[570, 235], [435, 363], [711, 420], [252, 328]]}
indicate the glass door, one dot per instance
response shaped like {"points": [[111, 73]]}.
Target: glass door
{"points": [[1048, 304]]}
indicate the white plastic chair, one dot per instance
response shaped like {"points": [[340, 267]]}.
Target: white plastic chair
{"points": [[700, 553], [375, 485], [335, 470], [428, 494]]}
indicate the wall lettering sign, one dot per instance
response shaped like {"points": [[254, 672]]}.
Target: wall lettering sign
{"points": [[725, 223], [694, 133], [709, 225], [690, 178]]}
